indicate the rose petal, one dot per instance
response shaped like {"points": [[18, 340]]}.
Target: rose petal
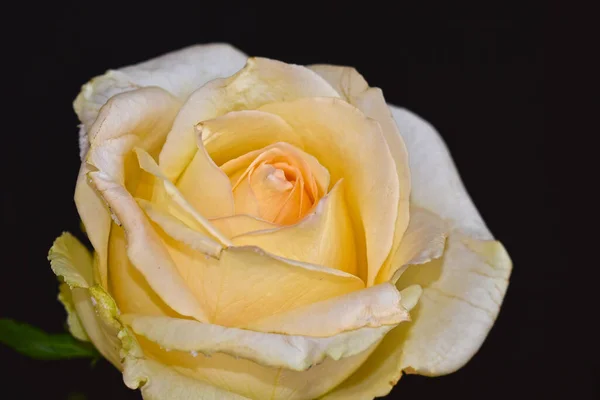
{"points": [[323, 237], [447, 328], [127, 285], [180, 72], [246, 284], [145, 250], [474, 273], [345, 80], [159, 382], [381, 371], [355, 89], [372, 307], [316, 175], [352, 147], [423, 241], [254, 380], [206, 187], [297, 353], [140, 117], [73, 321], [260, 82], [148, 164], [71, 261], [232, 139], [240, 224], [437, 186], [180, 231], [462, 294], [462, 291]]}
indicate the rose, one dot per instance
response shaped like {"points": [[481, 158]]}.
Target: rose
{"points": [[254, 237]]}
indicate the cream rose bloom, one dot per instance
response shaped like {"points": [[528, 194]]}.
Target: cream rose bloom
{"points": [[270, 231]]}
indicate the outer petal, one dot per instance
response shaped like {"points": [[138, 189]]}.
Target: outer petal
{"points": [[355, 89], [257, 381], [474, 272], [73, 321], [254, 380], [159, 382], [372, 307], [352, 147], [323, 237], [462, 291], [71, 261], [138, 118], [179, 72], [260, 82], [297, 353], [437, 187], [462, 295]]}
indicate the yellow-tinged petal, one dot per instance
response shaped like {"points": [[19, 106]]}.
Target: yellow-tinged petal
{"points": [[254, 380], [423, 241], [136, 118], [462, 291], [240, 224], [127, 285], [260, 82], [146, 251], [238, 134], [324, 237], [160, 382], [246, 284], [148, 164], [220, 130], [73, 322], [70, 260], [373, 104], [372, 307], [293, 352], [101, 332], [206, 187], [352, 147], [96, 219], [180, 231], [382, 370], [355, 90], [180, 72]]}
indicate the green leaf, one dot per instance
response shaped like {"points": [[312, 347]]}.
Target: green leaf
{"points": [[35, 343]]}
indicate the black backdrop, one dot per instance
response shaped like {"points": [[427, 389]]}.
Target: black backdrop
{"points": [[476, 74]]}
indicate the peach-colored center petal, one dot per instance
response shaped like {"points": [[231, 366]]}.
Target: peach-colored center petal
{"points": [[275, 184]]}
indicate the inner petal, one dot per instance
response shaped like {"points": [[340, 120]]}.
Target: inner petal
{"points": [[275, 184]]}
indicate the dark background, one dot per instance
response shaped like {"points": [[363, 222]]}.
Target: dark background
{"points": [[477, 74]]}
